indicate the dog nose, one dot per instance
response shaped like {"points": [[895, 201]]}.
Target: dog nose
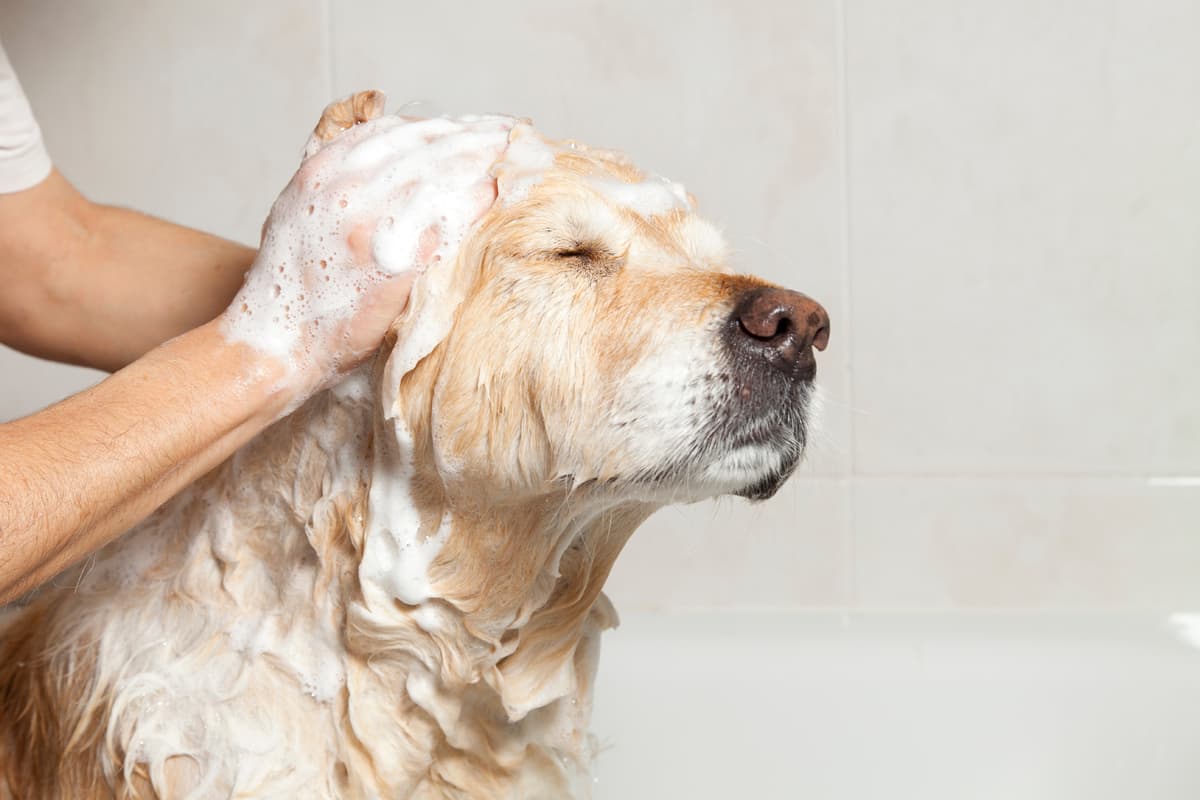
{"points": [[782, 327]]}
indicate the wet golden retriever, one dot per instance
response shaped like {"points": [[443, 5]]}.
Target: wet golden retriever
{"points": [[396, 591]]}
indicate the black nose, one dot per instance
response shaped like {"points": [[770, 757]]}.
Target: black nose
{"points": [[781, 327]]}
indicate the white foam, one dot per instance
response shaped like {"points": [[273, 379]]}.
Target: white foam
{"points": [[650, 198], [404, 192], [530, 156], [396, 556], [525, 163]]}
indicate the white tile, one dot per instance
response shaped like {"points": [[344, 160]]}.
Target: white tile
{"points": [[1026, 543], [787, 552], [194, 112], [1025, 190], [736, 100]]}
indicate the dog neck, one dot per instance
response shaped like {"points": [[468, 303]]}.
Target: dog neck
{"points": [[480, 620], [457, 660]]}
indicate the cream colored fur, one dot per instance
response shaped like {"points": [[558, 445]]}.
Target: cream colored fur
{"points": [[548, 391]]}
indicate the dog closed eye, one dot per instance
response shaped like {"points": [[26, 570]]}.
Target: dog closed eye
{"points": [[586, 235], [591, 257], [582, 250]]}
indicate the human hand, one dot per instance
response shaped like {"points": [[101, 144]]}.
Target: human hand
{"points": [[367, 211]]}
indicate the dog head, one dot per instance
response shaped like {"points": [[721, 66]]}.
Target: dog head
{"points": [[587, 356], [600, 341]]}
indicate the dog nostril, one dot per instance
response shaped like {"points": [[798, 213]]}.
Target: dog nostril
{"points": [[763, 331], [818, 322], [781, 325]]}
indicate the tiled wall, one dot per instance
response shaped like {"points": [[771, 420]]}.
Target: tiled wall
{"points": [[999, 203]]}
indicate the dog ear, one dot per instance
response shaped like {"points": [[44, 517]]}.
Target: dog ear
{"points": [[403, 531], [426, 322], [441, 288]]}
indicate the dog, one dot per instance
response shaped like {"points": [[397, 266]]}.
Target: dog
{"points": [[395, 591]]}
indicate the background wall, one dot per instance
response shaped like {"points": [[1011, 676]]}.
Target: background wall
{"points": [[999, 203]]}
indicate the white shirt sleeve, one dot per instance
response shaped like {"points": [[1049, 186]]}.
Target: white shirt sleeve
{"points": [[24, 161]]}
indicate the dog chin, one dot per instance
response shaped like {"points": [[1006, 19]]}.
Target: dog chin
{"points": [[765, 487], [753, 472]]}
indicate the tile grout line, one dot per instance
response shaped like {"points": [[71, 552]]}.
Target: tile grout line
{"points": [[843, 93]]}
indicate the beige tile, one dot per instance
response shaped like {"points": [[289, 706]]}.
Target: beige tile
{"points": [[788, 552], [1026, 543], [192, 111], [1025, 190], [737, 100], [836, 706]]}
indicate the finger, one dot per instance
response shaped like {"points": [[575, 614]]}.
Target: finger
{"points": [[471, 146], [428, 244], [385, 301], [485, 196], [396, 141], [359, 241]]}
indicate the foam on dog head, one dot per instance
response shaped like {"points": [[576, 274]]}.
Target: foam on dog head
{"points": [[436, 295], [650, 197], [530, 156], [525, 163], [396, 558]]}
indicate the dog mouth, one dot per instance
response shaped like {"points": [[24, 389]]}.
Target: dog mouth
{"points": [[781, 449], [761, 426], [749, 445]]}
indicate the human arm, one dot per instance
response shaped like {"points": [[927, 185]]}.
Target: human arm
{"points": [[89, 467], [99, 286]]}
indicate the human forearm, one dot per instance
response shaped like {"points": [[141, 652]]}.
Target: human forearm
{"points": [[99, 286], [134, 440]]}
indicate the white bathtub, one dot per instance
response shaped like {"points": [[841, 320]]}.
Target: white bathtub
{"points": [[960, 706]]}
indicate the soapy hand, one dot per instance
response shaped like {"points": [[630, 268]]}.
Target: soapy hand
{"points": [[365, 214]]}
